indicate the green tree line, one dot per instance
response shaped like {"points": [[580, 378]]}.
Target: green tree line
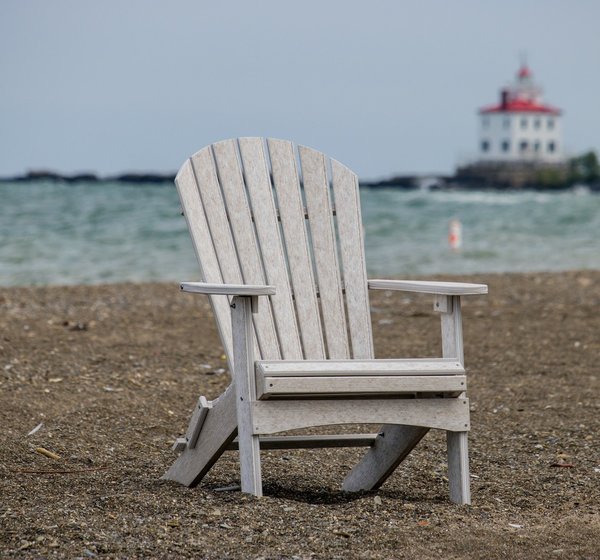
{"points": [[583, 169]]}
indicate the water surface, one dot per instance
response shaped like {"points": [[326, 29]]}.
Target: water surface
{"points": [[111, 232]]}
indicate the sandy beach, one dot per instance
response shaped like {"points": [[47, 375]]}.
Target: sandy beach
{"points": [[113, 371]]}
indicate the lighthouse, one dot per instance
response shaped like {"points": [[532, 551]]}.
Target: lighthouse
{"points": [[521, 127]]}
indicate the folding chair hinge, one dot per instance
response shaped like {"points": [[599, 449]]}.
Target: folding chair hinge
{"points": [[180, 444], [253, 304]]}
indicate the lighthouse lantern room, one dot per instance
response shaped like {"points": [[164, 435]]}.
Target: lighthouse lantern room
{"points": [[521, 127]]}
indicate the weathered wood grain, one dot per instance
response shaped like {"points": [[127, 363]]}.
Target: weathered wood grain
{"points": [[228, 289], [429, 287], [272, 416], [349, 223], [420, 366], [287, 186], [320, 214], [266, 215], [244, 238], [190, 199], [357, 385], [312, 441], [245, 389], [218, 431]]}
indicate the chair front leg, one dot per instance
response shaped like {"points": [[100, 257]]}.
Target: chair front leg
{"points": [[457, 442], [458, 467], [245, 386]]}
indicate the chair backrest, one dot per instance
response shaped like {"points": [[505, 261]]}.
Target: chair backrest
{"points": [[263, 212]]}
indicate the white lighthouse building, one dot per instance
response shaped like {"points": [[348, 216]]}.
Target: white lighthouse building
{"points": [[521, 127]]}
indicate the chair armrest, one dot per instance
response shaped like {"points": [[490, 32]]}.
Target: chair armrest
{"points": [[227, 289], [427, 287]]}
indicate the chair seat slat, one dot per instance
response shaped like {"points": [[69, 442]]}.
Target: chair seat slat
{"points": [[343, 385], [422, 366]]}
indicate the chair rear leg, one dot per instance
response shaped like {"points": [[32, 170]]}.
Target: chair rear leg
{"points": [[218, 431], [392, 446], [458, 467]]}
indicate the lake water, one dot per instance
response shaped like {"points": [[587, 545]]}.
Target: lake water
{"points": [[111, 232]]}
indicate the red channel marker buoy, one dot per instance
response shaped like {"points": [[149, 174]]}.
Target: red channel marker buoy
{"points": [[455, 235]]}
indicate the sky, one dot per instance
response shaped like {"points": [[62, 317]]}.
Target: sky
{"points": [[385, 87]]}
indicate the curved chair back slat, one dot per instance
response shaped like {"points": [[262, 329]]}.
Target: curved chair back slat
{"points": [[268, 212]]}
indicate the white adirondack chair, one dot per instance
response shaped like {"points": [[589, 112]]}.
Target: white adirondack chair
{"points": [[278, 235]]}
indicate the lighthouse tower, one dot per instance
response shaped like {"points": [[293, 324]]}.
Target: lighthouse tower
{"points": [[521, 127]]}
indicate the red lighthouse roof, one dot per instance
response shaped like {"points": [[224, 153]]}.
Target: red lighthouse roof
{"points": [[520, 106], [523, 97]]}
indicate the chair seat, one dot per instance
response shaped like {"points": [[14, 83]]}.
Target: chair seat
{"points": [[343, 378]]}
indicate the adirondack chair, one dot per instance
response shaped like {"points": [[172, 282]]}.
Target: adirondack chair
{"points": [[278, 235]]}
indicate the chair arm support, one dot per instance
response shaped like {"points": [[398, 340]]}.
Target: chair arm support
{"points": [[428, 287], [228, 289]]}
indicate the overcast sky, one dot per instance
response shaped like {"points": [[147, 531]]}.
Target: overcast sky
{"points": [[383, 86]]}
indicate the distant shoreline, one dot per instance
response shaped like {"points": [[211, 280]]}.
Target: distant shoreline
{"points": [[51, 176], [405, 182], [579, 172], [481, 187]]}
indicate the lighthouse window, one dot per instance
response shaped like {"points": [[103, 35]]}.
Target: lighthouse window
{"points": [[551, 147], [523, 145], [485, 145], [505, 145], [506, 123], [523, 122], [537, 123], [550, 124], [536, 146]]}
